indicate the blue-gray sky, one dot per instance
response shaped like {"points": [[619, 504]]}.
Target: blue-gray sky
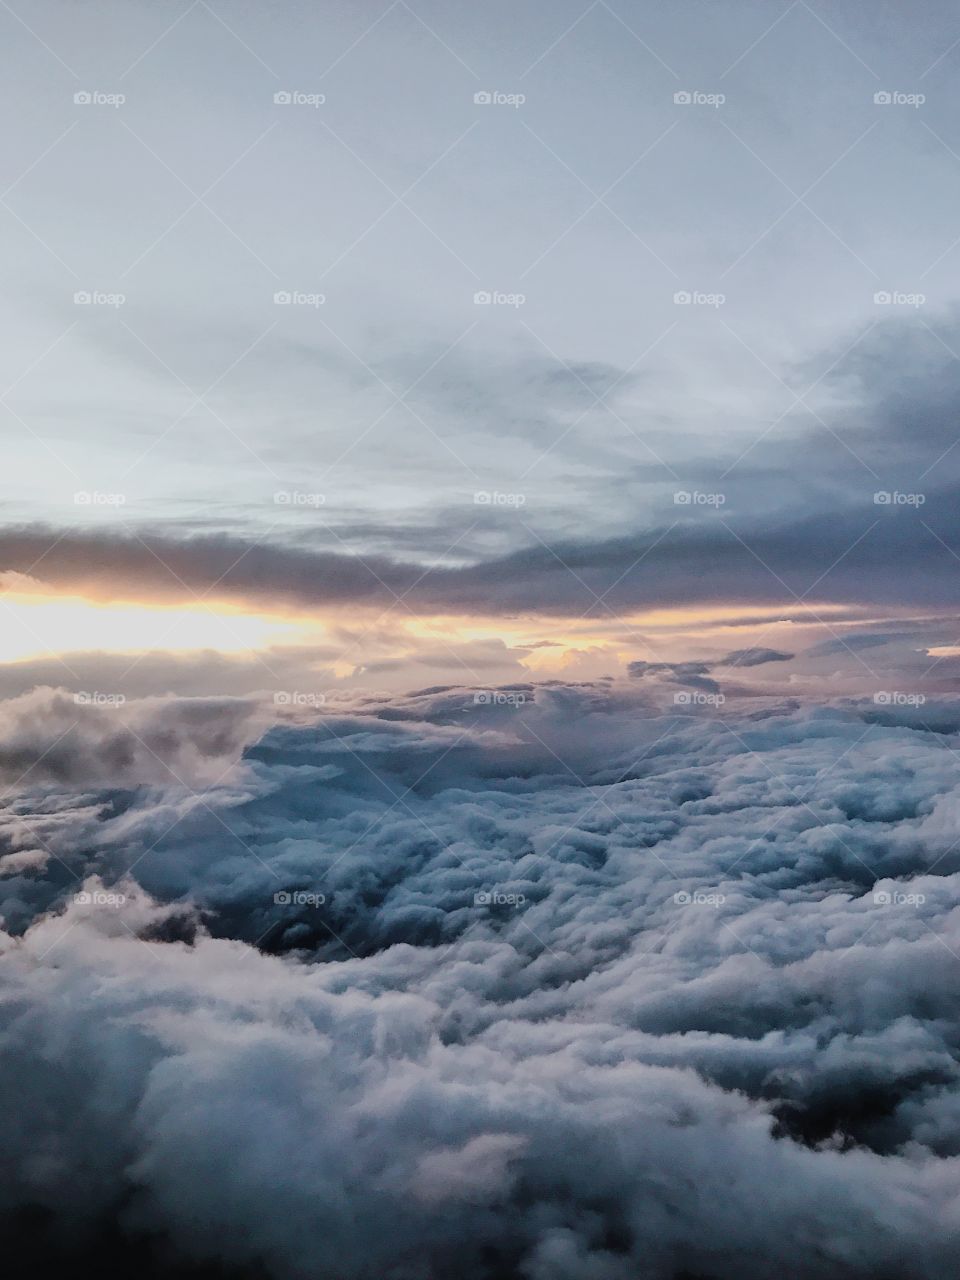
{"points": [[782, 167]]}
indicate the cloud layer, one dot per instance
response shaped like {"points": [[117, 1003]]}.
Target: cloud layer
{"points": [[567, 981]]}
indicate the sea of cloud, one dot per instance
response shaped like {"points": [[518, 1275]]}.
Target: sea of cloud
{"points": [[554, 982]]}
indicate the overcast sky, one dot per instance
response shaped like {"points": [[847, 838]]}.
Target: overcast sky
{"points": [[684, 216]]}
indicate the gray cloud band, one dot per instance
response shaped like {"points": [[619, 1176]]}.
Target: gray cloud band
{"points": [[845, 559]]}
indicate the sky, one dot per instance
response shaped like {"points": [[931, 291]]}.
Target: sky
{"points": [[480, 639], [248, 381]]}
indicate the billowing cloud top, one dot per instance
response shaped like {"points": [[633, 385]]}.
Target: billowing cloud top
{"points": [[556, 980]]}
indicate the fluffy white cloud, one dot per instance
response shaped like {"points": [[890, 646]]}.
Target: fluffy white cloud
{"points": [[576, 986]]}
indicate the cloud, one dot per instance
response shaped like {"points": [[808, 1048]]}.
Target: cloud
{"points": [[753, 560], [696, 675], [693, 674], [566, 985], [817, 518], [96, 739], [753, 657]]}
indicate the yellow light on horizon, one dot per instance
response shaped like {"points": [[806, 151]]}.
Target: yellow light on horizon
{"points": [[36, 622], [35, 626]]}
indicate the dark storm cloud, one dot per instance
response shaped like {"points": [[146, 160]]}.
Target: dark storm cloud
{"points": [[712, 967]]}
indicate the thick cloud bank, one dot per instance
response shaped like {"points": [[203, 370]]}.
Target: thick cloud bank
{"points": [[557, 983]]}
